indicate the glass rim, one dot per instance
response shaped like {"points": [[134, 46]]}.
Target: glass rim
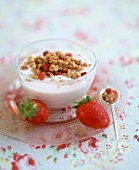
{"points": [[56, 39]]}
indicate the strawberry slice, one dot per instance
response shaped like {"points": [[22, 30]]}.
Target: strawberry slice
{"points": [[46, 67], [45, 53], [108, 90], [115, 94], [41, 75], [68, 54], [57, 73]]}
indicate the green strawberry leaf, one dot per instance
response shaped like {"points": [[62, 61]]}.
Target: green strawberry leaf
{"points": [[84, 100], [27, 109]]}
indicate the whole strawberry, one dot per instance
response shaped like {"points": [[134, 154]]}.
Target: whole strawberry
{"points": [[34, 111], [92, 114]]}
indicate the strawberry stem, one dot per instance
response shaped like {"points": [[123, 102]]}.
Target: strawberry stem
{"points": [[27, 109], [84, 100]]}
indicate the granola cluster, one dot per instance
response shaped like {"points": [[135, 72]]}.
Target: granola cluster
{"points": [[54, 63], [110, 96]]}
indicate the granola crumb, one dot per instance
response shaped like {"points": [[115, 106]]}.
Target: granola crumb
{"points": [[59, 64], [61, 80], [104, 135], [23, 67], [33, 76], [28, 80], [109, 95]]}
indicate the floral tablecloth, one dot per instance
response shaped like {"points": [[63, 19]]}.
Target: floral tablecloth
{"points": [[111, 29]]}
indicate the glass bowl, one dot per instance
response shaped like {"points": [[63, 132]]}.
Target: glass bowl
{"points": [[56, 94]]}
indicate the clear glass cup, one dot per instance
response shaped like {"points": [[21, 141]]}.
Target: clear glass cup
{"points": [[55, 94]]}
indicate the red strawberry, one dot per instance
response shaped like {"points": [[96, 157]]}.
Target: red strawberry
{"points": [[113, 92], [34, 111], [57, 73], [92, 114], [108, 90], [62, 58], [41, 75], [46, 67], [83, 73], [68, 54], [45, 53]]}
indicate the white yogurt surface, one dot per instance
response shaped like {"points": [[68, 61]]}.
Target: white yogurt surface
{"points": [[56, 94]]}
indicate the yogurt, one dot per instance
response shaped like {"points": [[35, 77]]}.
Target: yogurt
{"points": [[58, 91]]}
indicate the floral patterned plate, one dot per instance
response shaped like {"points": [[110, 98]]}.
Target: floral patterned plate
{"points": [[62, 126]]}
